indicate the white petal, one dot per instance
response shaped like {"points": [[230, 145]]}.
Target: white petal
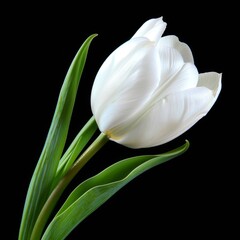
{"points": [[119, 91], [167, 119], [170, 63], [172, 41], [151, 29], [174, 80], [109, 76], [211, 80]]}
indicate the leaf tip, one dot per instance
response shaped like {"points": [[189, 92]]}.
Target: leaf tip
{"points": [[94, 35], [186, 145]]}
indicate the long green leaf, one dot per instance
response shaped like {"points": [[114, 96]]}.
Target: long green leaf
{"points": [[45, 171], [75, 148], [93, 192]]}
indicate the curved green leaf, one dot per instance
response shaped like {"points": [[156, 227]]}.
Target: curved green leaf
{"points": [[41, 183], [93, 192], [75, 148]]}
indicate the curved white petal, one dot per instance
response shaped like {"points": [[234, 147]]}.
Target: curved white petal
{"points": [[172, 41], [167, 119], [170, 63], [123, 85], [114, 70], [151, 29], [177, 79], [211, 80]]}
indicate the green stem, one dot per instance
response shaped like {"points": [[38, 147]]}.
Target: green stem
{"points": [[63, 183]]}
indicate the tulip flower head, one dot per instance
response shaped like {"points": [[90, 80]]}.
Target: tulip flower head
{"points": [[149, 91]]}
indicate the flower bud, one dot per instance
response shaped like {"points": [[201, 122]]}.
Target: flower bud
{"points": [[148, 91]]}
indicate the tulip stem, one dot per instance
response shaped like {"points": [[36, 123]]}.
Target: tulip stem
{"points": [[63, 183]]}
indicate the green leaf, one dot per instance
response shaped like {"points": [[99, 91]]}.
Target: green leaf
{"points": [[41, 183], [93, 192], [75, 148]]}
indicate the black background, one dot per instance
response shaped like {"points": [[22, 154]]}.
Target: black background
{"points": [[190, 196]]}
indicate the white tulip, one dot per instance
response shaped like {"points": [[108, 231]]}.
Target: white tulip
{"points": [[148, 91]]}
